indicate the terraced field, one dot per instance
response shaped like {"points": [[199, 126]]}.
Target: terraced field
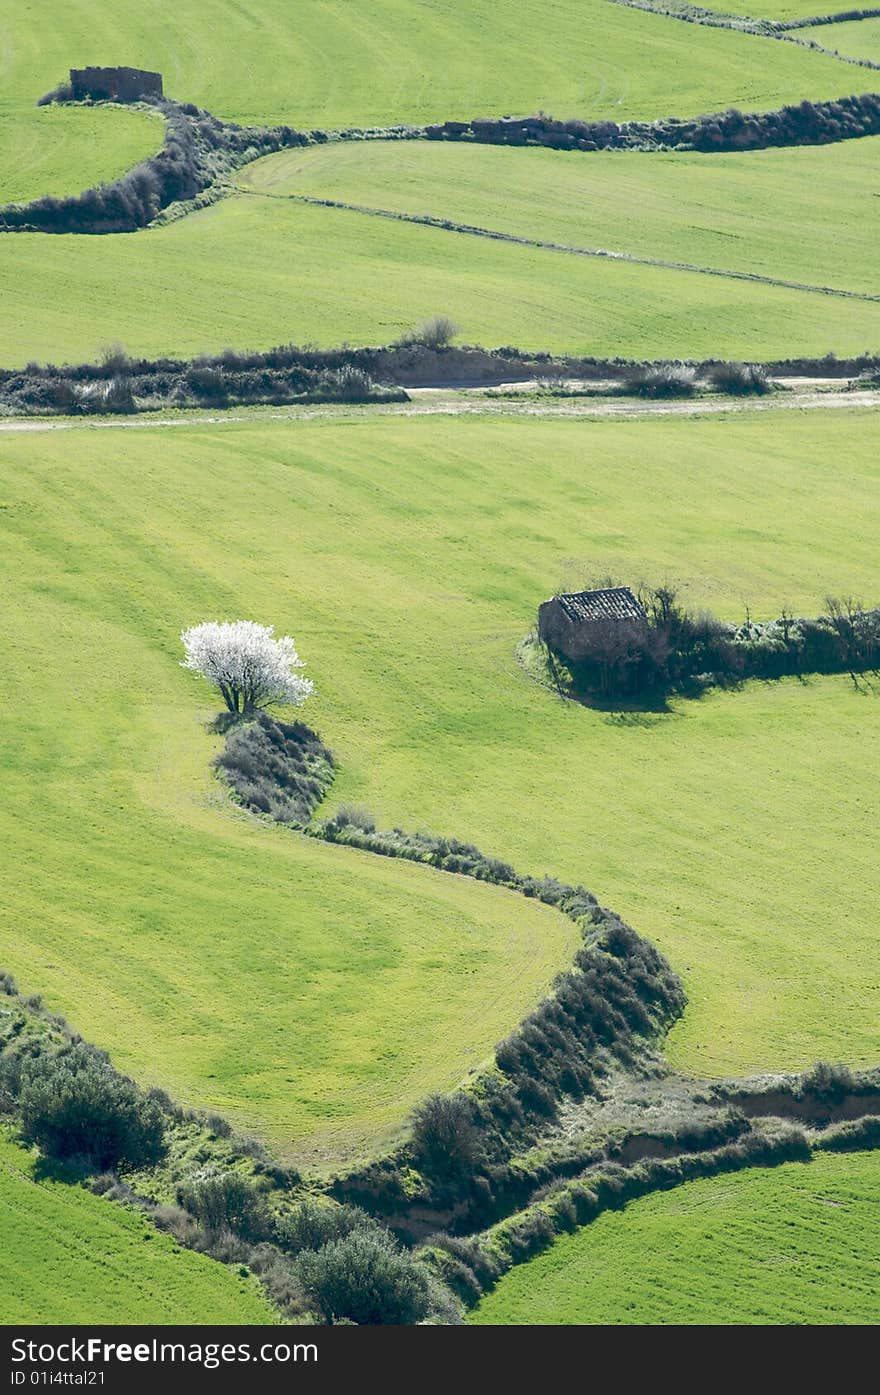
{"points": [[312, 994], [794, 1244], [67, 1256], [305, 989]]}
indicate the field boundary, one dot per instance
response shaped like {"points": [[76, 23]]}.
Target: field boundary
{"points": [[759, 28], [200, 152], [599, 253]]}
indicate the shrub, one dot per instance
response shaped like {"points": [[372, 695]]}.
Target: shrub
{"points": [[740, 379], [853, 1135], [436, 333], [76, 1105], [277, 768], [662, 380], [446, 1139], [226, 1201], [313, 1224], [827, 1081], [364, 1278]]}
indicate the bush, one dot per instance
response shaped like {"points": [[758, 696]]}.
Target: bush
{"points": [[827, 1081], [226, 1201], [662, 380], [446, 1141], [278, 768], [853, 1135], [364, 1278], [436, 333], [740, 379], [313, 1224], [76, 1105]]}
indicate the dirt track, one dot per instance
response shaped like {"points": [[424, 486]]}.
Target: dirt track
{"points": [[445, 401]]}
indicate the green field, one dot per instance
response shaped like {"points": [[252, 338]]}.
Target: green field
{"points": [[860, 39], [778, 9], [720, 211], [62, 150], [329, 64], [67, 1256], [792, 1244], [315, 993], [253, 272]]}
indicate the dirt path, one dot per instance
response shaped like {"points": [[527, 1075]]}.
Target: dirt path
{"points": [[445, 401]]}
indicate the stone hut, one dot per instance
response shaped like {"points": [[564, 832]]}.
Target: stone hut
{"points": [[565, 622], [114, 84]]}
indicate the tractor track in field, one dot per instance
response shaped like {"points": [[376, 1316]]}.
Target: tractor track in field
{"points": [[596, 253], [443, 400]]}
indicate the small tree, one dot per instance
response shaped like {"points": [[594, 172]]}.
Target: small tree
{"points": [[246, 663], [364, 1278], [76, 1105]]}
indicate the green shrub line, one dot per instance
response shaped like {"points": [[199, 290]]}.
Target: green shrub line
{"points": [[808, 123], [200, 151], [471, 1267], [674, 650], [761, 28], [288, 373]]}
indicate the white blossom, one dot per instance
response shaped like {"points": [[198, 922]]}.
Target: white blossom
{"points": [[245, 661]]}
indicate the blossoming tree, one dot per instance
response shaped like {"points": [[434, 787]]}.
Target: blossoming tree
{"points": [[246, 663]]}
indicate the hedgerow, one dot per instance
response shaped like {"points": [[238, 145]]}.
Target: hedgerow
{"points": [[808, 123]]}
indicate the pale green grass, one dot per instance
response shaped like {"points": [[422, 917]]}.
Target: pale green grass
{"points": [[796, 1244], [330, 63], [781, 9], [315, 992], [63, 150], [253, 272], [860, 39], [719, 211], [67, 1256], [312, 994]]}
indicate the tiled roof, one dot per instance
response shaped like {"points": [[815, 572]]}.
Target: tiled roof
{"points": [[611, 603]]}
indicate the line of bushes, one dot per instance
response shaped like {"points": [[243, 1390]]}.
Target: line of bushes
{"points": [[808, 123], [471, 1266], [619, 995], [812, 21], [675, 649], [200, 383], [198, 150], [121, 382]]}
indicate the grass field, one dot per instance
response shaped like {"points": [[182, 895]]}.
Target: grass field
{"points": [[776, 9], [331, 65], [67, 1256], [860, 39], [718, 211], [315, 993], [62, 150], [792, 1244], [253, 272]]}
